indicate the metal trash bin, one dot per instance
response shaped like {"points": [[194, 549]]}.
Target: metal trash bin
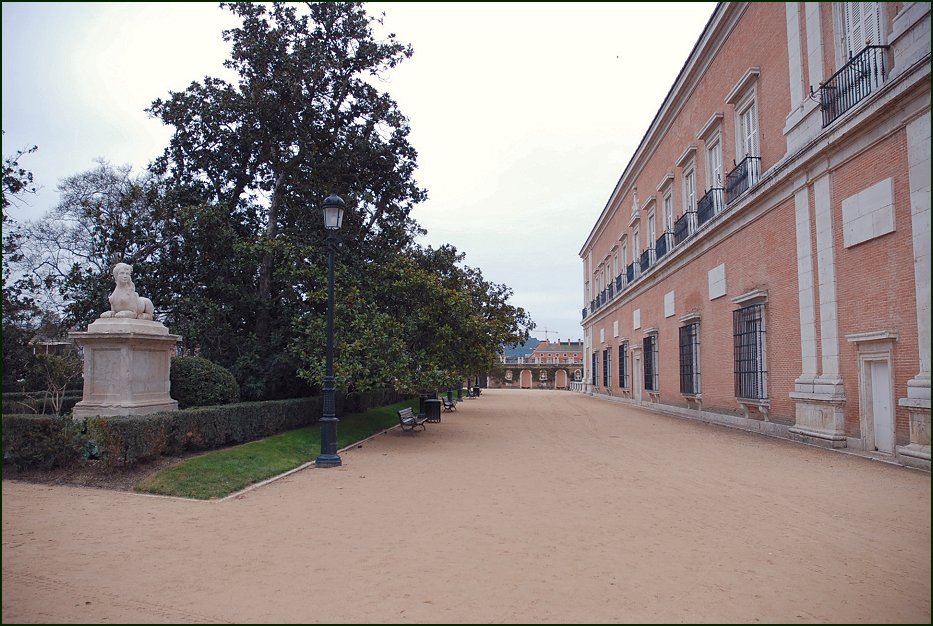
{"points": [[421, 398], [432, 409], [459, 394], [476, 391]]}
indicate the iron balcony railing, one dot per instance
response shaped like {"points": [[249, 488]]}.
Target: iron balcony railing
{"points": [[709, 205], [630, 272], [663, 245], [619, 283], [742, 177], [645, 260], [585, 312], [864, 73], [684, 227]]}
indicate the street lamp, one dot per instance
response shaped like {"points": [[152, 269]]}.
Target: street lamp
{"points": [[333, 218]]}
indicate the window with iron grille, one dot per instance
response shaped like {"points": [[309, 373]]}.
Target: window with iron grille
{"points": [[593, 369], [607, 367], [650, 345], [748, 331], [690, 359], [623, 366]]}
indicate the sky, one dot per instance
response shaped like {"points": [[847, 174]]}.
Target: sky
{"points": [[524, 115]]}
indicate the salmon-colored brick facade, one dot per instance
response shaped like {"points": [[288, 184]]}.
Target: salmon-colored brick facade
{"points": [[805, 268]]}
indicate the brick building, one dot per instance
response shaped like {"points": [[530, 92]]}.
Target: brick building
{"points": [[764, 259], [558, 352]]}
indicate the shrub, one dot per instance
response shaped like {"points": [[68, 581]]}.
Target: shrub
{"points": [[196, 381], [36, 440], [42, 441]]}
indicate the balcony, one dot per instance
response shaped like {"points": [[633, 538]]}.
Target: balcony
{"points": [[644, 261], [709, 205], [630, 273], [742, 177], [685, 225], [863, 74], [619, 283], [663, 245]]}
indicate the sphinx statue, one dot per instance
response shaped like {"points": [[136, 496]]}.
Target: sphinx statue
{"points": [[127, 356], [124, 301]]}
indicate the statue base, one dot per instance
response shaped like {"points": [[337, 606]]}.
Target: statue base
{"points": [[127, 363]]}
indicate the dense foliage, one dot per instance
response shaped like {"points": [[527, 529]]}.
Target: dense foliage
{"points": [[196, 381], [226, 236]]}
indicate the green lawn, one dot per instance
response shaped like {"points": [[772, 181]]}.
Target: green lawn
{"points": [[222, 472]]}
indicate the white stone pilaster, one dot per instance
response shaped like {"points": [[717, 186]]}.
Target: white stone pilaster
{"points": [[814, 43], [820, 400], [826, 272], [918, 401], [794, 54], [806, 297]]}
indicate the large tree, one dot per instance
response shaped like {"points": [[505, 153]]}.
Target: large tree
{"points": [[301, 122], [20, 313]]}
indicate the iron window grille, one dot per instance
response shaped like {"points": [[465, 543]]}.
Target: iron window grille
{"points": [[650, 346], [748, 330], [607, 359], [690, 359], [593, 369], [623, 366]]}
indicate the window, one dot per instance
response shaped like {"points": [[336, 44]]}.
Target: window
{"points": [[861, 25], [593, 369], [607, 362], [749, 339], [623, 366], [690, 189], [652, 229], [690, 359], [650, 346], [714, 163], [748, 129], [636, 238], [669, 212]]}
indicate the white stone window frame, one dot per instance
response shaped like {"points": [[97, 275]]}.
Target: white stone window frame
{"points": [[688, 168], [693, 317], [762, 405], [744, 97], [843, 36], [666, 194], [711, 136]]}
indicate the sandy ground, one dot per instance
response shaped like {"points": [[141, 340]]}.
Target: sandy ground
{"points": [[521, 507]]}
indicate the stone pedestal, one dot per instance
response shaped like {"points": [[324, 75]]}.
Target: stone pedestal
{"points": [[917, 452], [126, 367], [820, 412]]}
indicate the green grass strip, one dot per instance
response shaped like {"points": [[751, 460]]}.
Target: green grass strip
{"points": [[222, 472]]}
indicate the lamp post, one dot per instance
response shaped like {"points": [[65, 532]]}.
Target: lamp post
{"points": [[333, 217]]}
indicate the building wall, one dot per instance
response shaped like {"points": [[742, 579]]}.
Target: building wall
{"points": [[827, 237]]}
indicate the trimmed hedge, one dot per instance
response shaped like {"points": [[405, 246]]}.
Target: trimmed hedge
{"points": [[196, 381], [29, 440], [44, 441]]}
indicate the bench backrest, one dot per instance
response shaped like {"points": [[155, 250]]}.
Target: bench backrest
{"points": [[406, 413]]}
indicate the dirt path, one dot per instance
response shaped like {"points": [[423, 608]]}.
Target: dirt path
{"points": [[523, 506]]}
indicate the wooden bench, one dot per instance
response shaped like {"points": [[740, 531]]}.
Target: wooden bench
{"points": [[449, 405], [410, 421]]}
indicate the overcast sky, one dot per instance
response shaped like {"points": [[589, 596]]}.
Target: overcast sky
{"points": [[523, 115]]}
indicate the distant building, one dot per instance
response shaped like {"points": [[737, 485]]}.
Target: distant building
{"points": [[558, 353], [520, 353], [764, 259]]}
